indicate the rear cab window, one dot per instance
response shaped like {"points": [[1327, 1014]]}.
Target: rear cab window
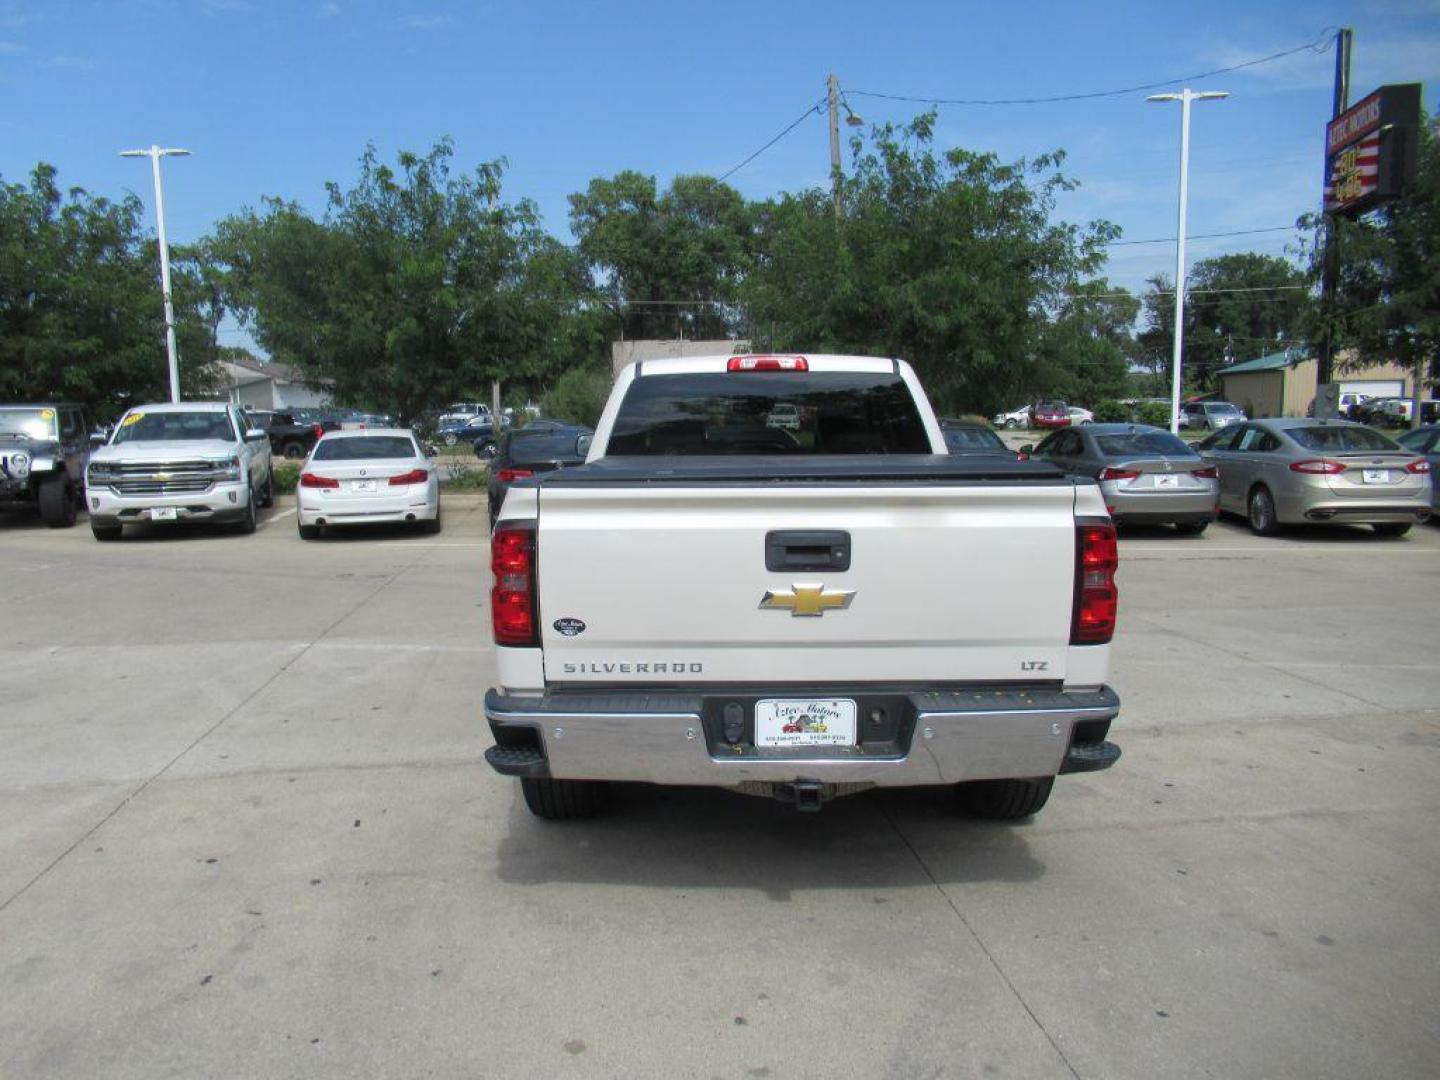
{"points": [[1339, 439], [813, 412], [1131, 443]]}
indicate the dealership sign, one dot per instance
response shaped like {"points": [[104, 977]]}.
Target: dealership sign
{"points": [[1370, 150]]}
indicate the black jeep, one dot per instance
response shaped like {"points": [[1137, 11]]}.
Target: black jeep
{"points": [[43, 451]]}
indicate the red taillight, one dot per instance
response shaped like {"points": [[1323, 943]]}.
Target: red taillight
{"points": [[1421, 466], [414, 476], [1119, 474], [1317, 466], [1096, 598], [1209, 472], [310, 480], [512, 599], [768, 363], [319, 430], [508, 476]]}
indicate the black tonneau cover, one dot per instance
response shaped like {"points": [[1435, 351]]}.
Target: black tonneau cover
{"points": [[805, 469]]}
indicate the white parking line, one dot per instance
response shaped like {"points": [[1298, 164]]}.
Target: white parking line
{"points": [[276, 517]]}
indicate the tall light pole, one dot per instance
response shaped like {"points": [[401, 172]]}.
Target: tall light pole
{"points": [[836, 103], [155, 153], [1185, 97]]}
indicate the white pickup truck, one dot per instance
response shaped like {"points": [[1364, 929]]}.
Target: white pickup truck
{"points": [[189, 461], [798, 612]]}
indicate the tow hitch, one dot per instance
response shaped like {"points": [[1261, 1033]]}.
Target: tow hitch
{"points": [[807, 795]]}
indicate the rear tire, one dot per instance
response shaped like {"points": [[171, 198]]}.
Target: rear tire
{"points": [[562, 800], [432, 526], [294, 451], [1012, 424], [308, 532], [1391, 528], [1191, 528], [267, 498], [57, 502], [1261, 511], [106, 533], [1005, 800]]}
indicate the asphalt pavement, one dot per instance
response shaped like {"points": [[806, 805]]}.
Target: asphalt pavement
{"points": [[246, 831]]}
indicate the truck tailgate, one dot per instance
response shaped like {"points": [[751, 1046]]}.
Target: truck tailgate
{"points": [[949, 582]]}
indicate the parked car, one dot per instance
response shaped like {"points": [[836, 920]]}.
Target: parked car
{"points": [[534, 449], [784, 414], [1079, 415], [1015, 418], [1050, 414], [476, 429], [1426, 440], [1209, 415], [1288, 471], [293, 438], [968, 437], [462, 412], [355, 477], [1147, 476], [172, 463], [43, 452]]}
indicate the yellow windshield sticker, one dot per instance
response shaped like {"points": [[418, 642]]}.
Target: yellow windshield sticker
{"points": [[133, 418], [47, 414]]}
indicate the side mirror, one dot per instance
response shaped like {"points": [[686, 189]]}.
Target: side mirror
{"points": [[582, 445], [430, 450], [97, 440], [1028, 449]]}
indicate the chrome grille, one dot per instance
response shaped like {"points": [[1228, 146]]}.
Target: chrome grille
{"points": [[163, 478]]}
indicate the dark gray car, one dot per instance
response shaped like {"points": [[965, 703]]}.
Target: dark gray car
{"points": [[1147, 476], [43, 452], [1293, 470], [1426, 440]]}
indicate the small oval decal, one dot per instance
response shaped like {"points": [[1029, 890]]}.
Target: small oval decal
{"points": [[569, 627]]}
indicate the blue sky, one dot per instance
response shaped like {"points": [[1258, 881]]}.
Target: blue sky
{"points": [[275, 98]]}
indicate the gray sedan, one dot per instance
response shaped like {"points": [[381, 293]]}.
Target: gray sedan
{"points": [[1290, 471], [1147, 476]]}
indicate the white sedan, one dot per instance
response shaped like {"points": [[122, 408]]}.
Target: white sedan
{"points": [[1017, 418], [1081, 416], [365, 477]]}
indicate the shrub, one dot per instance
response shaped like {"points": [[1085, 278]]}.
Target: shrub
{"points": [[1153, 413], [1111, 412], [578, 396], [287, 477]]}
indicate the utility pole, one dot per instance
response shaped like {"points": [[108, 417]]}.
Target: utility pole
{"points": [[834, 88], [155, 153], [1330, 267]]}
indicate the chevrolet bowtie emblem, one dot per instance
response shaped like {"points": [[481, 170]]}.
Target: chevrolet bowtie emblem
{"points": [[808, 599], [162, 476]]}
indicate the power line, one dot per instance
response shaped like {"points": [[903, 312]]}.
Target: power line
{"points": [[1320, 43], [1202, 236], [789, 128]]}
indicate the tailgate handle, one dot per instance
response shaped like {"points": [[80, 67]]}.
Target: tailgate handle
{"points": [[807, 550]]}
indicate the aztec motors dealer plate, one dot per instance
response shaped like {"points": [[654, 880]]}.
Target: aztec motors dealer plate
{"points": [[808, 722]]}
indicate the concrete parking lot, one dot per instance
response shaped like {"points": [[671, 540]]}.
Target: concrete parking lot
{"points": [[246, 831]]}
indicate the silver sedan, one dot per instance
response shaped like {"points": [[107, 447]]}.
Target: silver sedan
{"points": [[1292, 471], [1147, 476], [358, 477]]}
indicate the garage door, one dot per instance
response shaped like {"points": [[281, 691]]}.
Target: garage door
{"points": [[1374, 387]]}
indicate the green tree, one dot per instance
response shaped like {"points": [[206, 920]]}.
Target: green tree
{"points": [[417, 286], [1387, 299], [1237, 307], [950, 261], [669, 264], [1085, 346], [80, 306]]}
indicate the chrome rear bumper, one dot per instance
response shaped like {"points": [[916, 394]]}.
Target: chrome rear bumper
{"points": [[663, 738]]}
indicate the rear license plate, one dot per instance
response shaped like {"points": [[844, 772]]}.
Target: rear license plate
{"points": [[1377, 476], [164, 513], [810, 722], [1167, 481], [364, 487]]}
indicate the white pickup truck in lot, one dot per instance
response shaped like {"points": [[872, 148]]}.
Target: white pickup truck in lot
{"points": [[798, 612], [190, 461]]}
